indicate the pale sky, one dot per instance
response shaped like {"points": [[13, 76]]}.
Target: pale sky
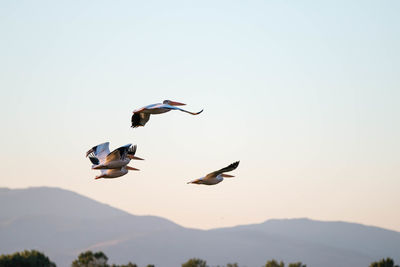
{"points": [[304, 93]]}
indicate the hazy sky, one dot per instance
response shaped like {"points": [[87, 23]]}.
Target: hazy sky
{"points": [[304, 93]]}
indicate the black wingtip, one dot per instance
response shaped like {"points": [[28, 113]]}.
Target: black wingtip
{"points": [[94, 160], [235, 164], [135, 120], [132, 150]]}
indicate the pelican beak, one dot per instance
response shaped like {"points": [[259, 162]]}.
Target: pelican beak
{"points": [[227, 175], [173, 103], [134, 157], [98, 167], [98, 177], [131, 168]]}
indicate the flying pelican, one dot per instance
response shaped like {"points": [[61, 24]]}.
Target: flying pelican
{"points": [[115, 173], [217, 176], [142, 115], [112, 164]]}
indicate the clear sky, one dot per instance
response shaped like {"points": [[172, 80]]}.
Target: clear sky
{"points": [[304, 93]]}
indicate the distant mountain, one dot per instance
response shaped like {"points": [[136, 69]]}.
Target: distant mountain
{"points": [[62, 224]]}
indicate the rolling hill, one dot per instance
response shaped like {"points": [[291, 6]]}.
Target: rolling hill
{"points": [[62, 224]]}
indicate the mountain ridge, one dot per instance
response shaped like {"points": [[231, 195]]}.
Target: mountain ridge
{"points": [[6, 189], [30, 221]]}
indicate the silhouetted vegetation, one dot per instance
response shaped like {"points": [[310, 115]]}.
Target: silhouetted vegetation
{"points": [[297, 264], [228, 265], [26, 258], [98, 259], [130, 264], [388, 262], [34, 258], [274, 263], [90, 259], [195, 262]]}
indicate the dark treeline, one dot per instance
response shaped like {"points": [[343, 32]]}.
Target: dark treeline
{"points": [[35, 258]]}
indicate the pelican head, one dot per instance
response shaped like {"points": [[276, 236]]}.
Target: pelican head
{"points": [[173, 103]]}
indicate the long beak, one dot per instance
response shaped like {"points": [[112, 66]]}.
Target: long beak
{"points": [[98, 177], [134, 157], [173, 103], [131, 168], [227, 175], [98, 167]]}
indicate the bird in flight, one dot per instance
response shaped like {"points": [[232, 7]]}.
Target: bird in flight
{"points": [[217, 176], [114, 164], [142, 115]]}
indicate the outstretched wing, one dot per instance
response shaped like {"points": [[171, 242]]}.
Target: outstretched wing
{"points": [[139, 119], [98, 152], [226, 169], [151, 106], [118, 154], [170, 107], [132, 150]]}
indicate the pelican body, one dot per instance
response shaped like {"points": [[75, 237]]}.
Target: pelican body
{"points": [[216, 177], [114, 164], [142, 115], [112, 173]]}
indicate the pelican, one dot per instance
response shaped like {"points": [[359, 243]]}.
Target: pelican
{"points": [[142, 115], [115, 173], [112, 164], [217, 176]]}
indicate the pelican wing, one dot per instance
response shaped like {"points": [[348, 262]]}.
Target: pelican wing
{"points": [[170, 107], [139, 119], [118, 154], [132, 150], [139, 110], [115, 155], [100, 152], [226, 169], [142, 115], [144, 118], [148, 107]]}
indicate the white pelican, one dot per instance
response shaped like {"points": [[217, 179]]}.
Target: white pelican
{"points": [[115, 173], [142, 115], [217, 176], [112, 164]]}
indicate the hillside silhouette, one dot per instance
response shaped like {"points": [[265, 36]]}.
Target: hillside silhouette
{"points": [[62, 224]]}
